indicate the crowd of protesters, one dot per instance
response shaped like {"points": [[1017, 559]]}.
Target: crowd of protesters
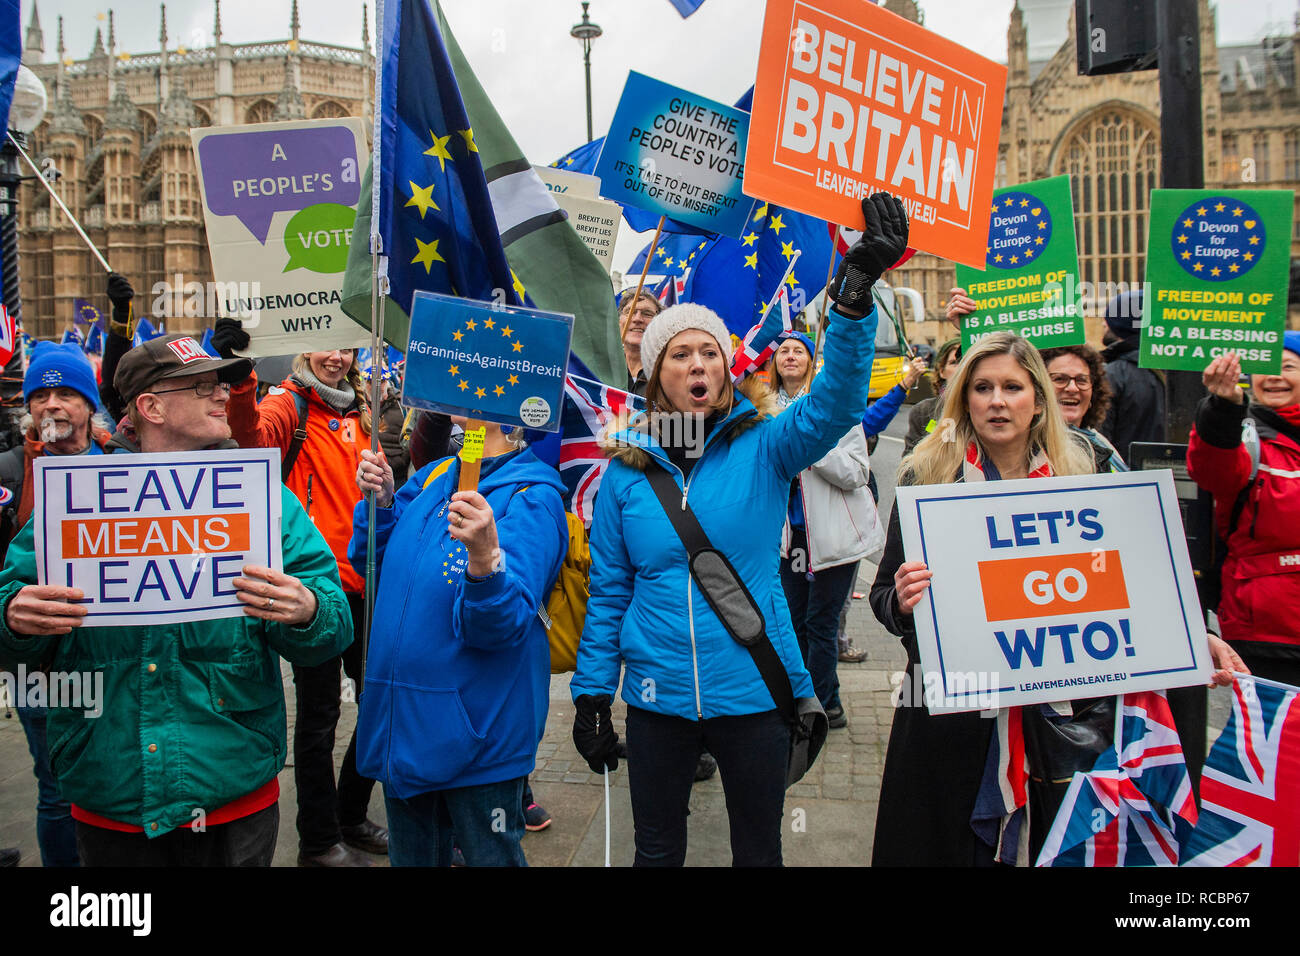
{"points": [[733, 668]]}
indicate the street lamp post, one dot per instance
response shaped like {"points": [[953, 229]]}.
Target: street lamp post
{"points": [[586, 31]]}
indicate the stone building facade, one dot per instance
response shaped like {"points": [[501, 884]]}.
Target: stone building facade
{"points": [[1105, 133], [117, 131]]}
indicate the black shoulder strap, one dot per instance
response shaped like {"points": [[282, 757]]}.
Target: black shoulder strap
{"points": [[299, 436], [693, 537]]}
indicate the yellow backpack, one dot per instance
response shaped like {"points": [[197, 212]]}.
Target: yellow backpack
{"points": [[566, 608]]}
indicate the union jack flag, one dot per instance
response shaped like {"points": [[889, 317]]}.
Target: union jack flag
{"points": [[588, 406], [1124, 812], [8, 336], [761, 341], [672, 290], [1250, 787]]}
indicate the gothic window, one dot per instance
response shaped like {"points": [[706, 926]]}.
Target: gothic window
{"points": [[1291, 155], [1231, 159], [201, 117], [328, 110], [263, 111], [1262, 172], [148, 125], [1112, 157]]}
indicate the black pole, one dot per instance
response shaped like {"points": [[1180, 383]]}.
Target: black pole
{"points": [[1182, 166], [1182, 162], [586, 62], [10, 178]]}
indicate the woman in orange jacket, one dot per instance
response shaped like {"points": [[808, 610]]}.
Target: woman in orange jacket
{"points": [[326, 399]]}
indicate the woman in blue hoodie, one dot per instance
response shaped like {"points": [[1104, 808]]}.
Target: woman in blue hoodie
{"points": [[459, 666], [688, 684]]}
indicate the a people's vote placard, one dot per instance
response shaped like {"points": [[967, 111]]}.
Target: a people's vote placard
{"points": [[156, 539], [1049, 589]]}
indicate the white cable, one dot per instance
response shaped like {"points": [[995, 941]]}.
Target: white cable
{"points": [[607, 816]]}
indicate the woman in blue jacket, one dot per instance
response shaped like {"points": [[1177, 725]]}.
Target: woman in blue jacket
{"points": [[688, 684], [459, 669]]}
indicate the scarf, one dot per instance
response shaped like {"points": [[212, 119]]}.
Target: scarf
{"points": [[34, 448], [1001, 812], [339, 399], [1289, 414]]}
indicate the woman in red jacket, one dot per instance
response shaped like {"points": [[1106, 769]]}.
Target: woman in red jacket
{"points": [[1256, 506], [328, 388]]}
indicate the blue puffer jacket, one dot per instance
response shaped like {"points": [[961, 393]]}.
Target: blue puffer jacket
{"points": [[458, 673], [644, 607]]}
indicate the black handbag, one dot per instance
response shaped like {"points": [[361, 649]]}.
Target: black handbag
{"points": [[740, 615]]}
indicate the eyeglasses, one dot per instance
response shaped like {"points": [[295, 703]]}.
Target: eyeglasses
{"points": [[646, 314], [1082, 382], [201, 389]]}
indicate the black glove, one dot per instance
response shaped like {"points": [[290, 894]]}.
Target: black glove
{"points": [[228, 335], [593, 733], [120, 294], [883, 242]]}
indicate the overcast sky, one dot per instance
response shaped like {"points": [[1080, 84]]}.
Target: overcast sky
{"points": [[531, 67]]}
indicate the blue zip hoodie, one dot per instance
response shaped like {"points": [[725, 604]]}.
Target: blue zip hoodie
{"points": [[458, 673], [644, 607]]}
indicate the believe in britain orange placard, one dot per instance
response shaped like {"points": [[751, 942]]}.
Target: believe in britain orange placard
{"points": [[851, 99]]}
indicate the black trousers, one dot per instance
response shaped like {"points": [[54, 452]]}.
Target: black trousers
{"points": [[324, 807], [752, 751], [248, 841]]}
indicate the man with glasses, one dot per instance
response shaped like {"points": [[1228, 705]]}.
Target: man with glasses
{"points": [[180, 768], [633, 317]]}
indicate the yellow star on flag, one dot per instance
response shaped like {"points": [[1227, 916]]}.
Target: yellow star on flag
{"points": [[1042, 225], [1015, 259], [1029, 253], [1234, 267], [479, 393], [499, 391], [1187, 223], [790, 280], [1038, 240], [995, 207], [513, 380], [751, 261], [1186, 254], [787, 250], [568, 160], [470, 325], [427, 255], [1024, 202], [1220, 207], [988, 249], [1215, 271], [1202, 211], [517, 285], [518, 346], [422, 199], [489, 324], [998, 257], [458, 335], [776, 224], [1198, 267], [1010, 201], [749, 239], [681, 263], [1254, 240], [468, 136], [759, 213], [1182, 238], [463, 385], [507, 332], [1248, 256], [454, 370], [1237, 211], [439, 150]]}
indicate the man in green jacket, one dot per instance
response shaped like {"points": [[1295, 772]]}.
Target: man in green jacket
{"points": [[180, 766]]}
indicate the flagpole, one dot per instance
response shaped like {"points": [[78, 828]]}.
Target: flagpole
{"points": [[645, 269], [67, 212], [826, 296], [772, 301], [378, 290]]}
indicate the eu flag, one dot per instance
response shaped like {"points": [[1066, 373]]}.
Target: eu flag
{"points": [[435, 213], [87, 313]]}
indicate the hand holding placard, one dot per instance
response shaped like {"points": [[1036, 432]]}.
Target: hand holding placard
{"points": [[883, 242], [45, 609], [911, 581], [1221, 377], [274, 596]]}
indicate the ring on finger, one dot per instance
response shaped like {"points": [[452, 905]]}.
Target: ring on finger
{"points": [[270, 603]]}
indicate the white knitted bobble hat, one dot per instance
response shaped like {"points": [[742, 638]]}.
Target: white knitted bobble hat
{"points": [[678, 318]]}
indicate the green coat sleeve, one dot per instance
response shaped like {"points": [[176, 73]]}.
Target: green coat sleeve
{"points": [[19, 571], [308, 558]]}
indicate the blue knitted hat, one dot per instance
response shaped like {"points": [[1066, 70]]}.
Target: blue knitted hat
{"points": [[61, 366], [796, 334], [1291, 341]]}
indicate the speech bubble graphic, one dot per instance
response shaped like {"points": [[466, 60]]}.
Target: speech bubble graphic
{"points": [[254, 175], [317, 238]]}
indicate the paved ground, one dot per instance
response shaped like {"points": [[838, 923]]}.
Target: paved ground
{"points": [[830, 815]]}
